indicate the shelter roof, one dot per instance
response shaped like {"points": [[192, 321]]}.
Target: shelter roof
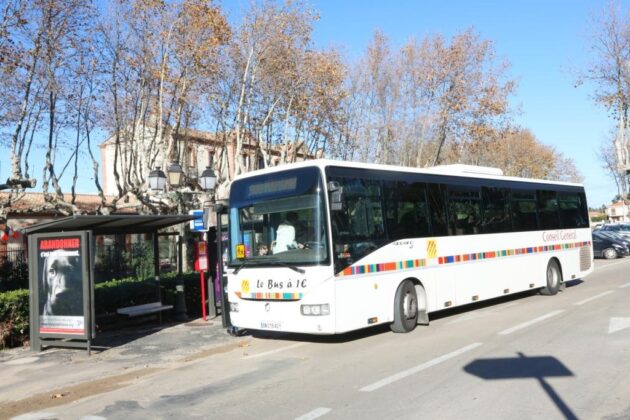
{"points": [[110, 224]]}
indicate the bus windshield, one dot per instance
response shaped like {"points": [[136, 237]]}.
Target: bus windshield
{"points": [[278, 219]]}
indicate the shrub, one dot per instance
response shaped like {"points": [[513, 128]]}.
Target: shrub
{"points": [[192, 291], [108, 296], [13, 275], [140, 259], [129, 291], [13, 317], [114, 294]]}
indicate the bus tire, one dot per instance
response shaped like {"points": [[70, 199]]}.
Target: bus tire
{"points": [[554, 279], [405, 308]]}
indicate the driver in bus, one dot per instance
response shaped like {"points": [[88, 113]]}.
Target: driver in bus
{"points": [[286, 234]]}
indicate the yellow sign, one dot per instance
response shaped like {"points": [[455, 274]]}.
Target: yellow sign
{"points": [[240, 251], [245, 286], [431, 248]]}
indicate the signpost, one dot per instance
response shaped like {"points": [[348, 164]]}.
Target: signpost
{"points": [[197, 224], [202, 256]]}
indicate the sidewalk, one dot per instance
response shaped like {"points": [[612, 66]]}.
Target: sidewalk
{"points": [[31, 380]]}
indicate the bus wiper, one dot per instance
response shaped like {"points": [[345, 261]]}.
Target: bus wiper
{"points": [[268, 261], [283, 264], [237, 269]]}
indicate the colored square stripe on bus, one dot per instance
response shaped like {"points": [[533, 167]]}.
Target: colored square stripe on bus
{"points": [[451, 259], [270, 296]]}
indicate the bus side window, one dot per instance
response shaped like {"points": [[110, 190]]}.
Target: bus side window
{"points": [[583, 219], [548, 209], [464, 209], [571, 207], [437, 209], [417, 217], [524, 215], [496, 210]]}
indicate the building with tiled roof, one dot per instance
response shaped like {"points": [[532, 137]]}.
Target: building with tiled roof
{"points": [[198, 149], [619, 211], [29, 208]]}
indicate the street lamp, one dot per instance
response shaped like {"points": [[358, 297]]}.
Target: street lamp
{"points": [[207, 179], [175, 173], [157, 179]]}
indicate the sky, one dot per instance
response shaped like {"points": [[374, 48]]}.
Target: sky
{"points": [[546, 42]]}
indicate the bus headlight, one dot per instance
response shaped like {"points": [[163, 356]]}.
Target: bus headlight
{"points": [[233, 306], [315, 310]]}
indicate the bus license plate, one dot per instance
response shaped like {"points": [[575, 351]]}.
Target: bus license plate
{"points": [[270, 325]]}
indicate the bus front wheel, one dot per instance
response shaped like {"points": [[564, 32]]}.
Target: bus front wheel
{"points": [[405, 308], [554, 279]]}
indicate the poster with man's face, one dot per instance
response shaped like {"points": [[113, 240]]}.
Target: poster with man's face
{"points": [[60, 264]]}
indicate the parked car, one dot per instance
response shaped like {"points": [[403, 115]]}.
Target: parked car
{"points": [[606, 247], [620, 228], [616, 236]]}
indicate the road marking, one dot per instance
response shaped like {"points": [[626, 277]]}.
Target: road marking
{"points": [[39, 415], [623, 286], [612, 264], [618, 324], [417, 369], [270, 352], [582, 302], [531, 322], [480, 313], [318, 412]]}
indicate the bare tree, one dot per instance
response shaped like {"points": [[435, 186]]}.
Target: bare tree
{"points": [[161, 59], [610, 71], [278, 94], [430, 92]]}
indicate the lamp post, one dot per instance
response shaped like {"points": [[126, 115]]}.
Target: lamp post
{"points": [[207, 181], [175, 174], [157, 182], [157, 179]]}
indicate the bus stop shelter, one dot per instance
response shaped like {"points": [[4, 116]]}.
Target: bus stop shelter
{"points": [[61, 272]]}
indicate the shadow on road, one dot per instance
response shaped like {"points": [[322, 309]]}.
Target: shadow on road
{"points": [[524, 367], [126, 333], [572, 283], [332, 339]]}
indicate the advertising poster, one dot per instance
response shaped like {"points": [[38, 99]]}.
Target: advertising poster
{"points": [[60, 281]]}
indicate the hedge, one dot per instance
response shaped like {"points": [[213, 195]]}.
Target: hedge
{"points": [[13, 317], [114, 294], [108, 297]]}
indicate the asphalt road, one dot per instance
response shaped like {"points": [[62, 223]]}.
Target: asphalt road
{"points": [[523, 357]]}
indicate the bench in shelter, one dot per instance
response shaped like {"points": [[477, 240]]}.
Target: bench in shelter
{"points": [[146, 309]]}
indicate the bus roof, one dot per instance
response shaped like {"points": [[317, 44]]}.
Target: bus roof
{"points": [[464, 171]]}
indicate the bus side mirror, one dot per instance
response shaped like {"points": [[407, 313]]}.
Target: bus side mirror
{"points": [[336, 195]]}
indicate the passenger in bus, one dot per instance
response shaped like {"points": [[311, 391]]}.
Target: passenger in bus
{"points": [[262, 249], [286, 234]]}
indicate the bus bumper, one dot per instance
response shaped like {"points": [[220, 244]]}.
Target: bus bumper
{"points": [[280, 316]]}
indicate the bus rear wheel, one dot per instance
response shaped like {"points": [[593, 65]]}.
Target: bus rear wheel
{"points": [[554, 279], [405, 308]]}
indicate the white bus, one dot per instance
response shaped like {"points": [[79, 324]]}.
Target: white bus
{"points": [[327, 247]]}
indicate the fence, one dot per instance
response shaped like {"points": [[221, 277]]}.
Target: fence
{"points": [[112, 261], [15, 256], [13, 269]]}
